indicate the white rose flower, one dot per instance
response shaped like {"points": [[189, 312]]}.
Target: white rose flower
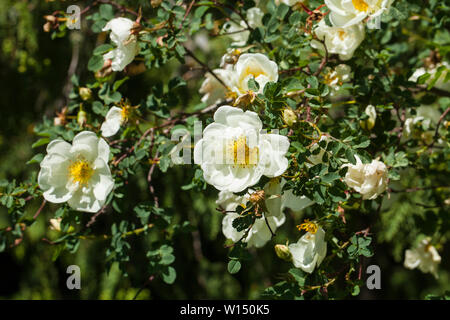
{"points": [[114, 119], [440, 84], [309, 251], [370, 122], [336, 77], [77, 173], [234, 154], [260, 234], [213, 91], [346, 13], [238, 32], [425, 257], [287, 199], [370, 180], [338, 40], [229, 201], [253, 65], [126, 44]]}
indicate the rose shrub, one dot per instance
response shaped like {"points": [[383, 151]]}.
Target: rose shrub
{"points": [[222, 144]]}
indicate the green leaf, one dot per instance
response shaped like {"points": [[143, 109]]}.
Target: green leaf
{"points": [[298, 275], [330, 176], [106, 11], [234, 266], [355, 290], [102, 49], [95, 63], [200, 11], [40, 142], [169, 275], [36, 159], [350, 155], [253, 85]]}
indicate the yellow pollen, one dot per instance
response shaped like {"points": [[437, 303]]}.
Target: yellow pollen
{"points": [[341, 34], [80, 171], [126, 113], [330, 77], [253, 72], [360, 5], [308, 226], [242, 154]]}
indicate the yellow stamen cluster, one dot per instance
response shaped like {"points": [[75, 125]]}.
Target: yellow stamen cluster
{"points": [[241, 153], [330, 78], [341, 34], [308, 226], [360, 5], [126, 112], [251, 71], [81, 171]]}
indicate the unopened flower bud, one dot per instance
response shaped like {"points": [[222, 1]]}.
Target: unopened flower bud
{"points": [[369, 123], [81, 117], [289, 117], [155, 3], [283, 252], [85, 93]]}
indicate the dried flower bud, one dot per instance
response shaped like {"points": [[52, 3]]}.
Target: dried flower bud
{"points": [[258, 197], [50, 18], [47, 27], [61, 117], [245, 100]]}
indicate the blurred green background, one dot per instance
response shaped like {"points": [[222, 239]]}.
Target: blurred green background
{"points": [[35, 82]]}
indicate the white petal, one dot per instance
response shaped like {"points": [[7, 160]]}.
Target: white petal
{"points": [[86, 144], [84, 200], [60, 147], [102, 181]]}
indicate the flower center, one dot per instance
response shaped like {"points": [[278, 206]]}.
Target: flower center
{"points": [[249, 71], [241, 153], [341, 34], [308, 226], [81, 171], [126, 113], [331, 77], [360, 5]]}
